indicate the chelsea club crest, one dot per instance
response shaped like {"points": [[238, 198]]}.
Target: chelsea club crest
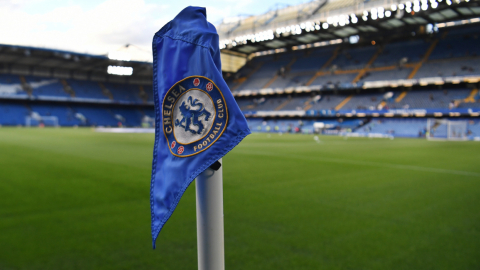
{"points": [[194, 116]]}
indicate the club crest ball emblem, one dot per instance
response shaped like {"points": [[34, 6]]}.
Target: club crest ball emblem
{"points": [[209, 86], [194, 115]]}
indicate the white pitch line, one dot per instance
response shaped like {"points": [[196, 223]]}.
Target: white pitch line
{"points": [[368, 163]]}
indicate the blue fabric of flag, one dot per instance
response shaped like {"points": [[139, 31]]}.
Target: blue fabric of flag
{"points": [[197, 119]]}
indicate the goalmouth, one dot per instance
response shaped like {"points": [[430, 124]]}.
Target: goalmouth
{"points": [[447, 130], [38, 120]]}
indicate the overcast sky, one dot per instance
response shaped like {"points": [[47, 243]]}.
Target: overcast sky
{"points": [[97, 27]]}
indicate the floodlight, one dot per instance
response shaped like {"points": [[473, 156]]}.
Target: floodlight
{"points": [[380, 13], [388, 13], [325, 25], [429, 28], [393, 7], [119, 70], [353, 39], [298, 30]]}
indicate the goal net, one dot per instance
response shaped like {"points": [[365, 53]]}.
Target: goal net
{"points": [[35, 119], [445, 129]]}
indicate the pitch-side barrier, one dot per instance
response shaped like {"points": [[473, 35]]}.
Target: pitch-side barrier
{"points": [[367, 135], [125, 130]]}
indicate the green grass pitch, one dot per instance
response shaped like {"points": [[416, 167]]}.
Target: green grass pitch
{"points": [[76, 199]]}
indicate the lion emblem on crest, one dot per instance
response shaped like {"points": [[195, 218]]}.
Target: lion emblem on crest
{"points": [[192, 116]]}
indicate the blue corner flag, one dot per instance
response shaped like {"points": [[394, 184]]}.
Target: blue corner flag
{"points": [[197, 119]]}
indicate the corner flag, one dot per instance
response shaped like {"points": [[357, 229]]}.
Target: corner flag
{"points": [[197, 120]]}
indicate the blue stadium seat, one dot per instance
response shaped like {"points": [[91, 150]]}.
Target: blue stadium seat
{"points": [[87, 89], [12, 114], [10, 85]]}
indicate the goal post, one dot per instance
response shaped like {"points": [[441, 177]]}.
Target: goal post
{"points": [[447, 130], [37, 120]]}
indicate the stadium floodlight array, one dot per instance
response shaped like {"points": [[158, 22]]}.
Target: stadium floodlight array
{"points": [[258, 37], [305, 46], [340, 20], [120, 70]]}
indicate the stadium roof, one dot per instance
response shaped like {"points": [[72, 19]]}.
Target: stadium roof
{"points": [[313, 24], [64, 64], [324, 22]]}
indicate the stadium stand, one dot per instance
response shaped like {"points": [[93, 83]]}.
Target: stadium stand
{"points": [[393, 53], [87, 89], [427, 99], [389, 81], [15, 114], [46, 86], [397, 127], [65, 115], [474, 127], [12, 114], [11, 85], [97, 116], [444, 54], [123, 92], [328, 102]]}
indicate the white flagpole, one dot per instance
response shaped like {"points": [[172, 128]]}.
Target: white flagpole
{"points": [[210, 245]]}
